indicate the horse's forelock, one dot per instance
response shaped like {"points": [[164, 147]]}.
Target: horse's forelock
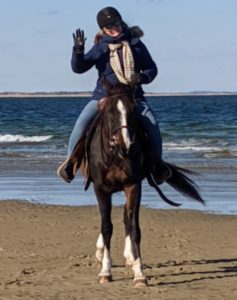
{"points": [[127, 101], [113, 90]]}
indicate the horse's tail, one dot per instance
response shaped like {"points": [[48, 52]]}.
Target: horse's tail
{"points": [[180, 182], [183, 184]]}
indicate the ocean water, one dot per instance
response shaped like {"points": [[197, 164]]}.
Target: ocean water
{"points": [[199, 133]]}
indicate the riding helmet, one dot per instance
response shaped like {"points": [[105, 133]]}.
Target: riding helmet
{"points": [[108, 16]]}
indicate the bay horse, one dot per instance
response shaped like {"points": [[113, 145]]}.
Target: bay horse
{"points": [[118, 161]]}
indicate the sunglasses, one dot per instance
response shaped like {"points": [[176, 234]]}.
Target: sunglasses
{"points": [[114, 24]]}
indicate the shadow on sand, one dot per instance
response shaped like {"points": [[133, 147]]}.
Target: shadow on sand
{"points": [[193, 270]]}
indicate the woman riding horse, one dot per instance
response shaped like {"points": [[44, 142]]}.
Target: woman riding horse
{"points": [[115, 149], [119, 56]]}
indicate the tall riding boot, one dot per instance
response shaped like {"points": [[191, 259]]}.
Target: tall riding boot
{"points": [[68, 169]]}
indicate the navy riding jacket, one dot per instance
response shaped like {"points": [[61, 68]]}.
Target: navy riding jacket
{"points": [[98, 56]]}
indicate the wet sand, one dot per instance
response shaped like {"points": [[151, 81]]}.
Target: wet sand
{"points": [[47, 252]]}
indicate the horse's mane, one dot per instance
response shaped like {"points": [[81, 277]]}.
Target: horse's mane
{"points": [[124, 92]]}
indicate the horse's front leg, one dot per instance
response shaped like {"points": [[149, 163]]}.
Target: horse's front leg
{"points": [[133, 233], [103, 242]]}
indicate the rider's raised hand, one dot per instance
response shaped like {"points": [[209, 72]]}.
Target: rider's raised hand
{"points": [[79, 40]]}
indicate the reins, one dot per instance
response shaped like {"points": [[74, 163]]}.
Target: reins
{"points": [[120, 127]]}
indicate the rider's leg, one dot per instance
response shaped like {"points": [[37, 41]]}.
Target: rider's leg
{"points": [[66, 170], [84, 120], [148, 122]]}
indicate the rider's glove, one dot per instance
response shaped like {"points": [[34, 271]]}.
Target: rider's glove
{"points": [[138, 78], [79, 40]]}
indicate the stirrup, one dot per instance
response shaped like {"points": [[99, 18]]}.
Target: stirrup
{"points": [[68, 169]]}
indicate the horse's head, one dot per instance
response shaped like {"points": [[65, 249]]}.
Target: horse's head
{"points": [[121, 120]]}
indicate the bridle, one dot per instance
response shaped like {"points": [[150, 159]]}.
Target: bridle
{"points": [[121, 127], [113, 138]]}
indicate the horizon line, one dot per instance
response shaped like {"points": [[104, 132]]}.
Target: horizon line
{"points": [[89, 93]]}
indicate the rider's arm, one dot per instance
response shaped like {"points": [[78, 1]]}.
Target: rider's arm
{"points": [[148, 66], [81, 62]]}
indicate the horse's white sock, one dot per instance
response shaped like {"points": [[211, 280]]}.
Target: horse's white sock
{"points": [[128, 251]]}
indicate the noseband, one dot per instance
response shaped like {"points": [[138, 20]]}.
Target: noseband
{"points": [[113, 139], [120, 127]]}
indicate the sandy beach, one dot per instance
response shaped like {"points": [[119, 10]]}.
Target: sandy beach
{"points": [[47, 252]]}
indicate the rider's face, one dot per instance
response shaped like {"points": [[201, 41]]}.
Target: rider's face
{"points": [[113, 30]]}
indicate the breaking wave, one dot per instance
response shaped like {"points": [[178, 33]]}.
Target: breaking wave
{"points": [[18, 138], [206, 146]]}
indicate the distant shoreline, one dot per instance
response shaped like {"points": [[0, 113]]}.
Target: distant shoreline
{"points": [[41, 95], [89, 94]]}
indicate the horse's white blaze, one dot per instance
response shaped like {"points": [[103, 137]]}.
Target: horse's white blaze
{"points": [[100, 248], [128, 251], [106, 263], [123, 120]]}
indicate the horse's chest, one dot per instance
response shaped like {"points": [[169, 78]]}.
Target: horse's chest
{"points": [[117, 176], [120, 175]]}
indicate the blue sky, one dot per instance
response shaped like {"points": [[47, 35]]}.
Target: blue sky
{"points": [[193, 43]]}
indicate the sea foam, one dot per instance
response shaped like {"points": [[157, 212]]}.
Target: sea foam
{"points": [[18, 138]]}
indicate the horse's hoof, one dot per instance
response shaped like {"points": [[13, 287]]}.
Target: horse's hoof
{"points": [[105, 279], [140, 283]]}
